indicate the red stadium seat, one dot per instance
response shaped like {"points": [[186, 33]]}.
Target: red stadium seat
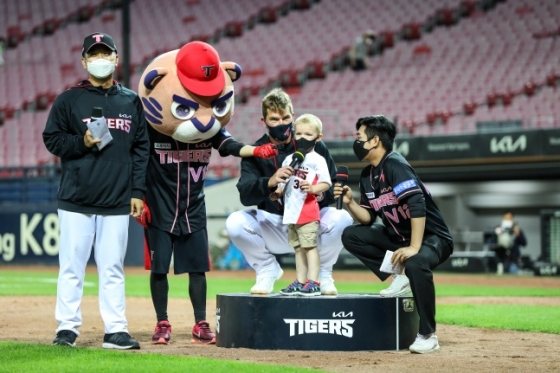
{"points": [[507, 98], [491, 99], [469, 107], [234, 28], [14, 36], [529, 88], [317, 70]]}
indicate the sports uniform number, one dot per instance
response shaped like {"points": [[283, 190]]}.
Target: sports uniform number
{"points": [[296, 184]]}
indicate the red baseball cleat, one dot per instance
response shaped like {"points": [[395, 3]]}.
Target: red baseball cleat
{"points": [[201, 333], [162, 333]]}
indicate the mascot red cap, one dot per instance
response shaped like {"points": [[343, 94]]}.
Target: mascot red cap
{"points": [[198, 68]]}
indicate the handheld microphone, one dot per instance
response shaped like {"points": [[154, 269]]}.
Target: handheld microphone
{"points": [[297, 158], [341, 177], [96, 113], [99, 130]]}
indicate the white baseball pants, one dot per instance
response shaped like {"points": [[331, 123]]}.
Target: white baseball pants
{"points": [[79, 233], [259, 234]]}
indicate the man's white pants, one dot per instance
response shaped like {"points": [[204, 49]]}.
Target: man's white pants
{"points": [[78, 234], [259, 234]]}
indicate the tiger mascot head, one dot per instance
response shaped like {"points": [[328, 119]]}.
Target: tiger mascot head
{"points": [[188, 93]]}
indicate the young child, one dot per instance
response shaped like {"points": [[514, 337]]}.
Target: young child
{"points": [[311, 177]]}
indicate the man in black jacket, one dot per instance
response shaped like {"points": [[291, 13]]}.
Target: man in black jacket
{"points": [[98, 191], [412, 226], [258, 232]]}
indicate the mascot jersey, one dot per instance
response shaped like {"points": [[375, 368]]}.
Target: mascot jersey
{"points": [[176, 175], [301, 207], [188, 99]]}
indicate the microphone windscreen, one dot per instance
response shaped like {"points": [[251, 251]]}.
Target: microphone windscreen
{"points": [[297, 159], [97, 112], [299, 156], [342, 173]]}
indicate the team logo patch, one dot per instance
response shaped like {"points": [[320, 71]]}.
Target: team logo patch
{"points": [[405, 185], [370, 195], [408, 305], [162, 145]]}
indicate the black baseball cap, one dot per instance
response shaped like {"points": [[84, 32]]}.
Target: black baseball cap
{"points": [[98, 38]]}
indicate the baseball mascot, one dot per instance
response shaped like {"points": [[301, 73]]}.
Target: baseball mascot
{"points": [[188, 100]]}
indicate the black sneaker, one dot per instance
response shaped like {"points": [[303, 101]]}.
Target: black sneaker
{"points": [[65, 338], [120, 341]]}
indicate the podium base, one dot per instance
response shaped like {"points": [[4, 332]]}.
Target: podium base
{"points": [[347, 322]]}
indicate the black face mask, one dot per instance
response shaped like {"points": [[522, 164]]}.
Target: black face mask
{"points": [[304, 145], [280, 132], [359, 150]]}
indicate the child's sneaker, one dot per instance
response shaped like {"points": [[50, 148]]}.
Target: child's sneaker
{"points": [[311, 289], [201, 333], [293, 289]]}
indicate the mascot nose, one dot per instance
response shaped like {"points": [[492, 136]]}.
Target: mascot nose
{"points": [[201, 126]]}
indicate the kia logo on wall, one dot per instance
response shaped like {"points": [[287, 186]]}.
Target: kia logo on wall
{"points": [[506, 144], [403, 148]]}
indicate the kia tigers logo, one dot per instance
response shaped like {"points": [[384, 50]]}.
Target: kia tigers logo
{"points": [[207, 70], [97, 38]]}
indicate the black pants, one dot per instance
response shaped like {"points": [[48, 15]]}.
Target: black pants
{"points": [[369, 243]]}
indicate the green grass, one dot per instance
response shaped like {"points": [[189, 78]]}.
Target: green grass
{"points": [[19, 357], [34, 358], [137, 285], [544, 319], [457, 290]]}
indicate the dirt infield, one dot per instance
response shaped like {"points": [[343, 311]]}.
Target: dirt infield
{"points": [[463, 349]]}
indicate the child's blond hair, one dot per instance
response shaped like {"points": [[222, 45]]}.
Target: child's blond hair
{"points": [[311, 120]]}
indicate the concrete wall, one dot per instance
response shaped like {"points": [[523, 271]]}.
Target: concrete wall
{"points": [[480, 205]]}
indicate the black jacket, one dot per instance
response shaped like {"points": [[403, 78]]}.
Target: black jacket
{"points": [[99, 182], [255, 173]]}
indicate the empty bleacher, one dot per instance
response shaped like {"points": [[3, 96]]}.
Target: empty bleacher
{"points": [[501, 61], [493, 52]]}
